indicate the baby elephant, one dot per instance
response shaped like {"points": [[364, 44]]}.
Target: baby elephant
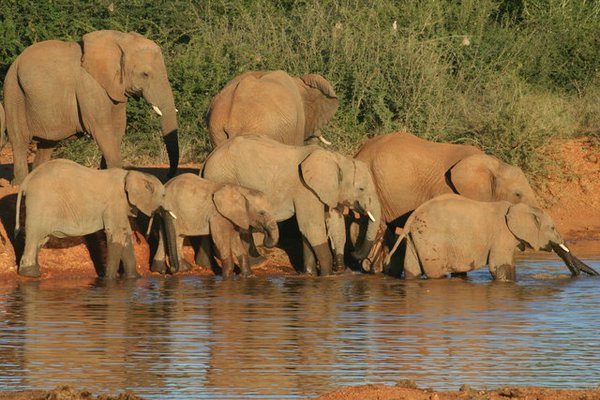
{"points": [[63, 198], [453, 234], [202, 207]]}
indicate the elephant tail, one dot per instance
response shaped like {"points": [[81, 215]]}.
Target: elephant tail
{"points": [[401, 237], [18, 211]]}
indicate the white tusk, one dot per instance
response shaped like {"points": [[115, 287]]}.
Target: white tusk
{"points": [[157, 110], [172, 214], [371, 217], [322, 139], [565, 248], [176, 110]]}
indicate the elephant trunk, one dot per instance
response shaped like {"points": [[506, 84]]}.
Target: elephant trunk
{"points": [[575, 265], [170, 239], [162, 102], [271, 232], [362, 249]]}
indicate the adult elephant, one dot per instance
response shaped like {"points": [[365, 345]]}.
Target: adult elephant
{"points": [[408, 171], [288, 109], [56, 89], [307, 181]]}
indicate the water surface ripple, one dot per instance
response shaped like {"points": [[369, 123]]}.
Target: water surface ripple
{"points": [[298, 337]]}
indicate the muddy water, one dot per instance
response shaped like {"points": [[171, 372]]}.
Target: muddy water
{"points": [[200, 337]]}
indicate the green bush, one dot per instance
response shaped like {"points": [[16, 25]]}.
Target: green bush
{"points": [[506, 75]]}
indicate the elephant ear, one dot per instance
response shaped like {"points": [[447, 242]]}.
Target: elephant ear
{"points": [[473, 177], [143, 191], [103, 59], [231, 204], [525, 223], [320, 102], [321, 173]]}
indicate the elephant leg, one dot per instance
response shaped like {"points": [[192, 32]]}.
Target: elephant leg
{"points": [[43, 154], [311, 221], [309, 260], [20, 167], [113, 258], [28, 266], [254, 256], [336, 230], [128, 259], [239, 252], [183, 265], [504, 272], [223, 247], [412, 265], [204, 255]]}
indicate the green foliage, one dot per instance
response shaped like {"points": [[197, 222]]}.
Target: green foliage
{"points": [[507, 75]]}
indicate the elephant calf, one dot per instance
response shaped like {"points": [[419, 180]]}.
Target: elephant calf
{"points": [[63, 198], [202, 207], [454, 234]]}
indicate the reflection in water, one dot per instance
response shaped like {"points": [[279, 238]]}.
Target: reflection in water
{"points": [[201, 337]]}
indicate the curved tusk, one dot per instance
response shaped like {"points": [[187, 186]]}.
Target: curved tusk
{"points": [[172, 214], [371, 217], [565, 248], [157, 110], [176, 110], [322, 139], [149, 226]]}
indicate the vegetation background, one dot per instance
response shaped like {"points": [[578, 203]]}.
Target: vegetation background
{"points": [[506, 75]]}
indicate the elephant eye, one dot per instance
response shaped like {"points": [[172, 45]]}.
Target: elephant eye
{"points": [[519, 194], [361, 189], [262, 213]]}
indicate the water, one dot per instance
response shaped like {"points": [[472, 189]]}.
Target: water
{"points": [[298, 337]]}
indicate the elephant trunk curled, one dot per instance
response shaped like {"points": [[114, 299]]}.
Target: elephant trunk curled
{"points": [[170, 238], [271, 231], [362, 249]]}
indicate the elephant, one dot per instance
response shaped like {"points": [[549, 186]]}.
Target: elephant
{"points": [[55, 89], [289, 109], [408, 171], [307, 181], [63, 199], [203, 207], [2, 127], [455, 234]]}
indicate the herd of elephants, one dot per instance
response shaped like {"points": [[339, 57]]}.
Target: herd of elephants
{"points": [[402, 205]]}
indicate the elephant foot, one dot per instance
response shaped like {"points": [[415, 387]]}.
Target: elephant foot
{"points": [[31, 271], [131, 275], [338, 264], [184, 266], [159, 266]]}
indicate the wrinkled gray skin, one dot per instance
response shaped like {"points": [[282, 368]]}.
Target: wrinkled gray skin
{"points": [[56, 89], [307, 181], [288, 109], [63, 198], [408, 171], [202, 207], [454, 234]]}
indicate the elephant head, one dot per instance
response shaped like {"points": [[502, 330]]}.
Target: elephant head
{"points": [[339, 180], [144, 192], [485, 178], [247, 208], [128, 64], [534, 228], [320, 103]]}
